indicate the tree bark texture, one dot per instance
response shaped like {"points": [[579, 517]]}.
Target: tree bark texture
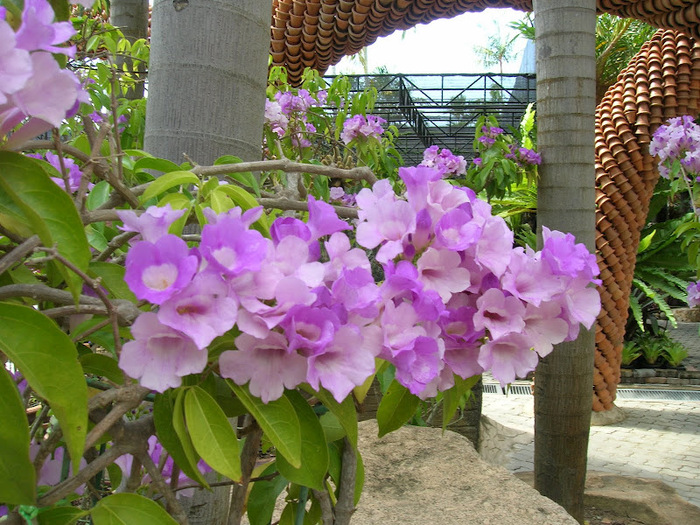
{"points": [[565, 48], [207, 79], [131, 17]]}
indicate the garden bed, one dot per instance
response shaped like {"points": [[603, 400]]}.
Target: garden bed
{"points": [[659, 376]]}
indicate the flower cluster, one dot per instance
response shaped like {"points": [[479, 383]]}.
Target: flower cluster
{"points": [[300, 320], [678, 140], [694, 294], [489, 135], [523, 156], [32, 84], [444, 161], [287, 114], [457, 298], [74, 175], [361, 128]]}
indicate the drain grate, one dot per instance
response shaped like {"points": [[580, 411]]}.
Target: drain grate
{"points": [[622, 393], [660, 395]]}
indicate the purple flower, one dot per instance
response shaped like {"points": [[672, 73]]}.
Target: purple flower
{"points": [[337, 193], [51, 472], [440, 270], [285, 226], [478, 161], [693, 294], [39, 32], [203, 310], [508, 357], [275, 118], [231, 247], [418, 364], [309, 330], [151, 224], [15, 64], [566, 257], [323, 220], [499, 314], [265, 364], [444, 161], [360, 128], [159, 356], [677, 141], [156, 271]]}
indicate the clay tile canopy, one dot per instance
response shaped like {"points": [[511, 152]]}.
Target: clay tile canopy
{"points": [[319, 33]]}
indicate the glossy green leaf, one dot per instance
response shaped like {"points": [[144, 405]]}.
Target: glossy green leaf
{"points": [[220, 202], [129, 509], [397, 406], [103, 366], [152, 163], [345, 411], [212, 435], [48, 210], [262, 497], [112, 277], [98, 195], [49, 361], [332, 427], [17, 478], [314, 451], [167, 181], [278, 421], [452, 398], [164, 420], [61, 516]]}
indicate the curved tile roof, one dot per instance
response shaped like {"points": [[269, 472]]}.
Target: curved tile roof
{"points": [[318, 33]]}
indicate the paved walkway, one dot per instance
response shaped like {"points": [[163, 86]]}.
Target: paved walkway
{"points": [[657, 440]]}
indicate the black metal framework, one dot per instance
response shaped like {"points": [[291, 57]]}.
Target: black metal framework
{"points": [[443, 109]]}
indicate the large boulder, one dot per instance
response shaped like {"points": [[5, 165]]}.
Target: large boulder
{"points": [[419, 475]]}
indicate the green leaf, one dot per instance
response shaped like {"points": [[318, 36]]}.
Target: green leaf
{"points": [[61, 516], [102, 365], [17, 477], [345, 411], [164, 420], [397, 406], [332, 427], [48, 360], [152, 163], [48, 210], [314, 451], [220, 202], [278, 421], [451, 399], [129, 509], [98, 195], [212, 435], [167, 181], [112, 277], [262, 497]]}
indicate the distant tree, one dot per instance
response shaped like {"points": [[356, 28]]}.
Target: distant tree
{"points": [[498, 50]]}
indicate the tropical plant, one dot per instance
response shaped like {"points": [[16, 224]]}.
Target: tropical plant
{"points": [[674, 352], [630, 352]]}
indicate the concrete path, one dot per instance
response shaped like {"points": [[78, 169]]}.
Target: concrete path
{"points": [[657, 440]]}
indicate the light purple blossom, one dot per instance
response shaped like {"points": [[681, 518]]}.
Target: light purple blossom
{"points": [[444, 161], [508, 357], [156, 271], [15, 64], [152, 224], [231, 247], [693, 294], [38, 31], [160, 356], [677, 141], [362, 128]]}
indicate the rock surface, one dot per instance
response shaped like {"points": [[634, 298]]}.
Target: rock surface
{"points": [[418, 475], [648, 500]]}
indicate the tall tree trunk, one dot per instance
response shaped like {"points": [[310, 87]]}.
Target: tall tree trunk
{"points": [[565, 47], [131, 17], [206, 98], [207, 79]]}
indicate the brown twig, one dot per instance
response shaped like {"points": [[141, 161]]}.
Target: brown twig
{"points": [[18, 253], [249, 455], [173, 506], [345, 506], [287, 204]]}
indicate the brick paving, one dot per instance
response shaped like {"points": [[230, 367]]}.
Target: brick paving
{"points": [[657, 440]]}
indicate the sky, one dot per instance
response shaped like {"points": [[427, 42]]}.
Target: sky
{"points": [[443, 46]]}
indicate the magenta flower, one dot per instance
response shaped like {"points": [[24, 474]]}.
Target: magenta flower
{"points": [[265, 364], [153, 224], [440, 270], [156, 271], [566, 257], [284, 226], [39, 32], [360, 128], [203, 310], [309, 330], [159, 356], [74, 173], [419, 364]]}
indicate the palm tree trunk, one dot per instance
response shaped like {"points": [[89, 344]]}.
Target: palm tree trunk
{"points": [[131, 17], [565, 47], [207, 79]]}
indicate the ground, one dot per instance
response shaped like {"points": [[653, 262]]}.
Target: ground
{"points": [[595, 516]]}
